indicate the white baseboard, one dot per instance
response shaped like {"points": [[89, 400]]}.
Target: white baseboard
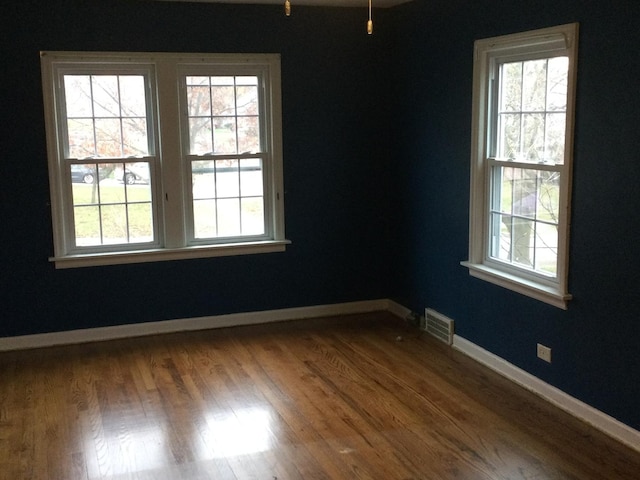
{"points": [[398, 310], [189, 324], [603, 422]]}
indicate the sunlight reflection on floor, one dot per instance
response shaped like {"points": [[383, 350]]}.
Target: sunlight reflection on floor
{"points": [[122, 448]]}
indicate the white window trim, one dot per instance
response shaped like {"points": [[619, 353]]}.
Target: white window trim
{"points": [[172, 185], [562, 37]]}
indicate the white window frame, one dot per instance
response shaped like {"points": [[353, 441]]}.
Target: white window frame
{"points": [[542, 43], [169, 159]]}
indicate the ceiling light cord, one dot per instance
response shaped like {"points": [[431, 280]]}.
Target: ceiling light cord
{"points": [[287, 12]]}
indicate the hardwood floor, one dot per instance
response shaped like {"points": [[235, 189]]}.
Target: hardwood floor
{"points": [[337, 398]]}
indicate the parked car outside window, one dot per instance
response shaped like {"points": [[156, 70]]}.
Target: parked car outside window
{"points": [[85, 174], [131, 173]]}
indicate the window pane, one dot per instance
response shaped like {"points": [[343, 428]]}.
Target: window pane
{"points": [[106, 96], [533, 98], [502, 193], [524, 187], [204, 218], [198, 101], [203, 179], [223, 80], [200, 138], [108, 210], [83, 174], [533, 137], [106, 115], [248, 80], [197, 80], [77, 90], [228, 198], [548, 197], [108, 137], [113, 192], [134, 137], [511, 87], [134, 173], [232, 109], [87, 225], [509, 140], [85, 193], [228, 217], [114, 224], [557, 83], [546, 248], [227, 179], [252, 216], [501, 236], [81, 140], [132, 96], [534, 85], [140, 223], [223, 100], [224, 135], [247, 100], [522, 232], [554, 138], [524, 217], [248, 134], [251, 177]]}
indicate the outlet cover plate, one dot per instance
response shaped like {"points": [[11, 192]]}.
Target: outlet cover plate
{"points": [[544, 353]]}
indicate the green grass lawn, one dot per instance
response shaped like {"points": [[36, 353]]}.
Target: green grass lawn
{"points": [[116, 213], [122, 212]]}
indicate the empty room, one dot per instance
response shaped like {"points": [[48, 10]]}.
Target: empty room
{"points": [[320, 239]]}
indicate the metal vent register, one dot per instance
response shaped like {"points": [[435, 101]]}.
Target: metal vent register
{"points": [[439, 326]]}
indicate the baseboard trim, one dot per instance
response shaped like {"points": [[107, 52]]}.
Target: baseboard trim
{"points": [[189, 324], [603, 422]]}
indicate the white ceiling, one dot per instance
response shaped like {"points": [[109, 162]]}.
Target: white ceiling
{"points": [[314, 3]]}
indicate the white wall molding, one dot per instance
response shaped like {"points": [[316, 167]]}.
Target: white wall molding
{"points": [[600, 420], [398, 310], [189, 324]]}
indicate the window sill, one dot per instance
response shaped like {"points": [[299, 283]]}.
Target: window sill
{"points": [[165, 254], [539, 291]]}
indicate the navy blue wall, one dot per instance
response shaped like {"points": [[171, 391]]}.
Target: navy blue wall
{"points": [[335, 170], [596, 342], [376, 161]]}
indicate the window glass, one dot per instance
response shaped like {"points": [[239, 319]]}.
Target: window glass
{"points": [[531, 129], [228, 198], [106, 115], [107, 211], [224, 114], [532, 117]]}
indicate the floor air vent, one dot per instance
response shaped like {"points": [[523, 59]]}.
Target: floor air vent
{"points": [[439, 326]]}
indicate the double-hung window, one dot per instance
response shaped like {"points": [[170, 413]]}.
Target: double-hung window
{"points": [[157, 156], [522, 149]]}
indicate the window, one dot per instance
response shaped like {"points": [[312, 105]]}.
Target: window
{"points": [[163, 156], [522, 147]]}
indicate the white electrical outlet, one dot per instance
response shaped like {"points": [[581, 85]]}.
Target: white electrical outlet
{"points": [[544, 353]]}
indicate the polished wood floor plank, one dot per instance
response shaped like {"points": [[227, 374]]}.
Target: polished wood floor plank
{"points": [[354, 397], [454, 421]]}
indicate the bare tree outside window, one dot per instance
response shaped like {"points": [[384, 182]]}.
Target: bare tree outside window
{"points": [[531, 130]]}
